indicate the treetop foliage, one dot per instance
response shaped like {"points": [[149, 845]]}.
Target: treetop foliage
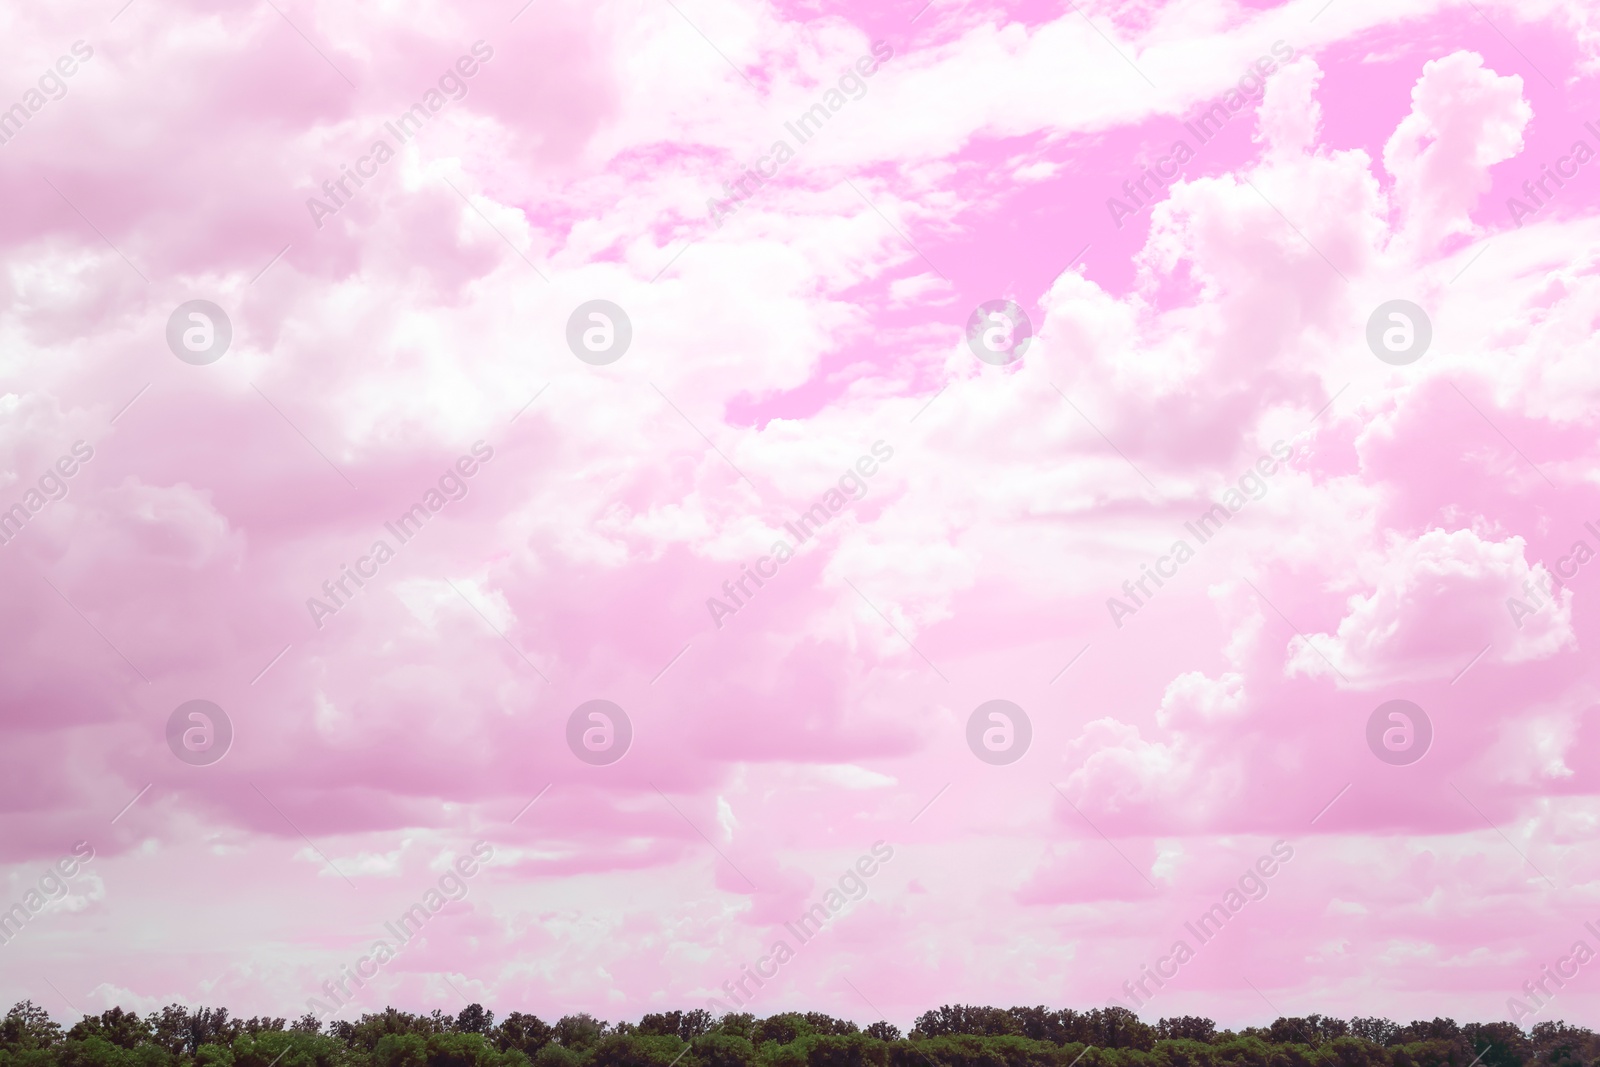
{"points": [[953, 1035]]}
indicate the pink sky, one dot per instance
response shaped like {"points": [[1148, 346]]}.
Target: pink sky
{"points": [[379, 351]]}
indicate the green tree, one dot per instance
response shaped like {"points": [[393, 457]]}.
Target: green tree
{"points": [[842, 1050], [636, 1050], [401, 1050], [213, 1055], [1432, 1052], [121, 1028], [28, 1027], [1121, 1028], [949, 1019], [460, 1050], [783, 1029], [579, 1031], [1499, 1044], [1186, 1027], [556, 1055], [526, 1034], [1351, 1051], [1560, 1045], [1182, 1052], [725, 1046], [1383, 1032]]}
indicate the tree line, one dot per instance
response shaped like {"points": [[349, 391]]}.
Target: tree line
{"points": [[949, 1036]]}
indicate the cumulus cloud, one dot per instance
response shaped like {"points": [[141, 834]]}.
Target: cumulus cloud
{"points": [[1432, 597], [770, 356], [1464, 119]]}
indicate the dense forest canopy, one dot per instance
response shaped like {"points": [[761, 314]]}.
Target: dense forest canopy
{"points": [[951, 1036]]}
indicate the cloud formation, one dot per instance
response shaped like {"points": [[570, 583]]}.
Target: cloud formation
{"points": [[420, 323]]}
